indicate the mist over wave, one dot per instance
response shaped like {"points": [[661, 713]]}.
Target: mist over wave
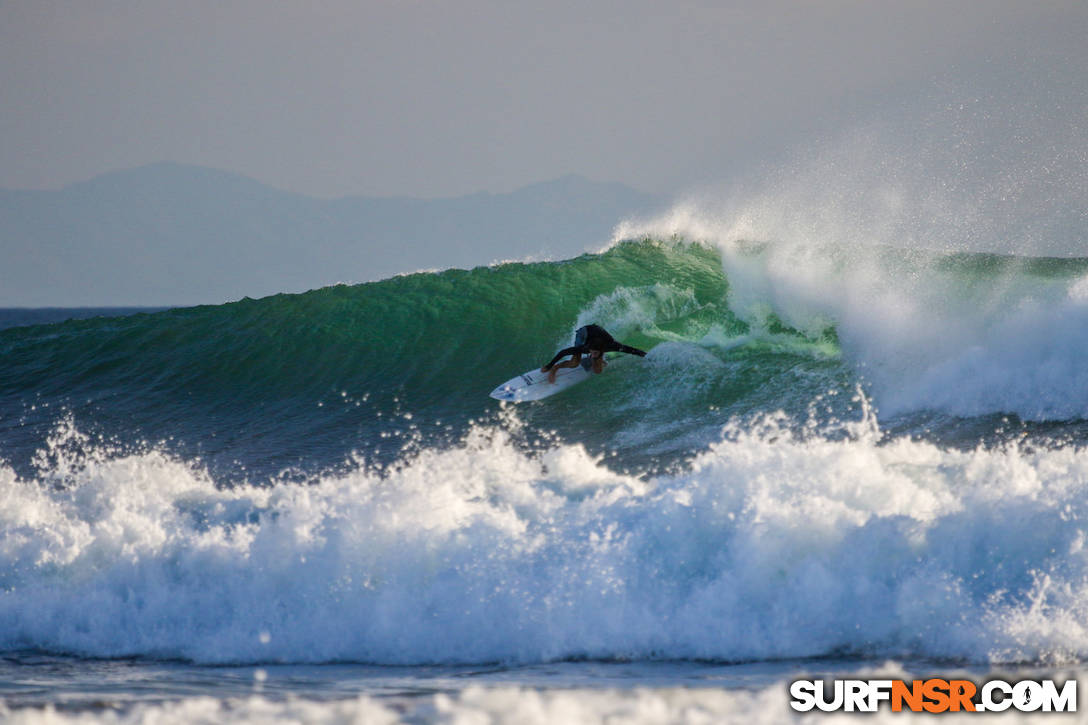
{"points": [[951, 289]]}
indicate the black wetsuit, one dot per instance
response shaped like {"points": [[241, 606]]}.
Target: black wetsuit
{"points": [[594, 337]]}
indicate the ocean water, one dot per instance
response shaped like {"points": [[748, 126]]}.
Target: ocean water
{"points": [[25, 316], [836, 458]]}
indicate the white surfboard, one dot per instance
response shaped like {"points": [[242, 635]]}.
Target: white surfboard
{"points": [[534, 384]]}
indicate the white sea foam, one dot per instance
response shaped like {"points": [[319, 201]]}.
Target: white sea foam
{"points": [[769, 546], [501, 705]]}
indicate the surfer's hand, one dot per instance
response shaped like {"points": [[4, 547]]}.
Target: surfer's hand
{"points": [[546, 368]]}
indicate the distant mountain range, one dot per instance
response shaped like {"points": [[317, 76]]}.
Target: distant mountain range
{"points": [[174, 234]]}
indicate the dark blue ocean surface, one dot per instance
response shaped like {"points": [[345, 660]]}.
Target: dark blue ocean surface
{"points": [[23, 316]]}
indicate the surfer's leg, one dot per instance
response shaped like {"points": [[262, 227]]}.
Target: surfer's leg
{"points": [[572, 363]]}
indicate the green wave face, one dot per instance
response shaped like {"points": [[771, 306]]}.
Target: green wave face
{"points": [[333, 369], [297, 381]]}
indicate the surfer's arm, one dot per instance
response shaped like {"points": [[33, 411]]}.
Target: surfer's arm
{"points": [[632, 350]]}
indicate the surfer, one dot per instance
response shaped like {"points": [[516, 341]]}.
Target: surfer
{"points": [[591, 339]]}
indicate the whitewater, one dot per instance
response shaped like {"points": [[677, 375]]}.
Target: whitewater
{"points": [[836, 457]]}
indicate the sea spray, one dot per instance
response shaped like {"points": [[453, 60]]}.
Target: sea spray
{"points": [[954, 333], [772, 544]]}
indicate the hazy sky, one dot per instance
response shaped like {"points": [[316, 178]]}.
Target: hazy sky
{"points": [[445, 97]]}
